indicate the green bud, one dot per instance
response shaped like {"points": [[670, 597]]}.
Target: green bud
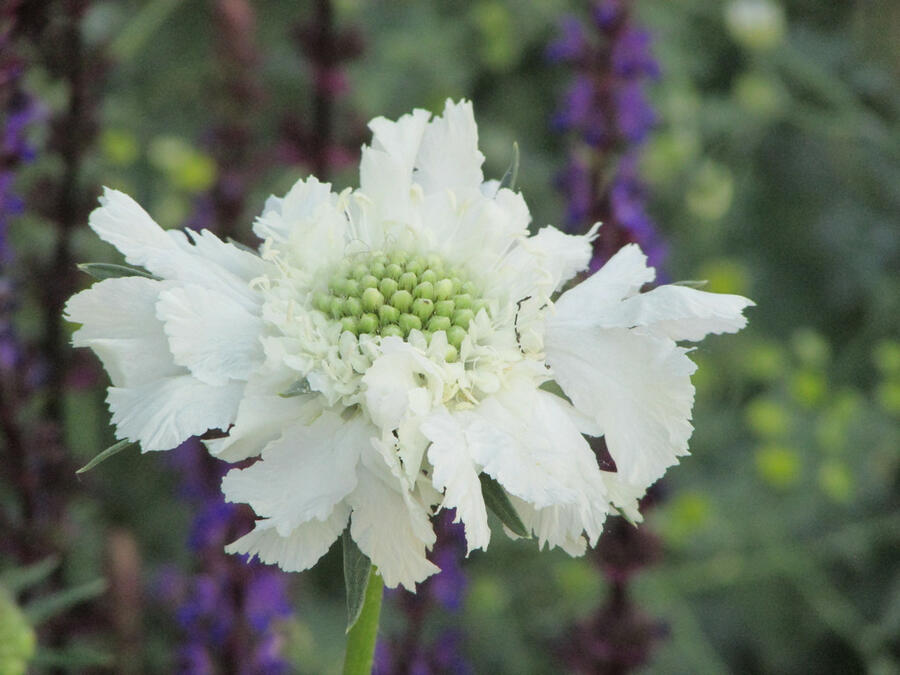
{"points": [[399, 257], [444, 308], [424, 290], [443, 289], [322, 301], [372, 299], [469, 287], [479, 305], [359, 270], [452, 355], [393, 271], [423, 308], [337, 307], [463, 317], [457, 284], [350, 287], [368, 281], [377, 268], [352, 307], [409, 322], [349, 323], [388, 286], [429, 275], [408, 281], [416, 265], [388, 314], [402, 300], [463, 301], [368, 323], [436, 263], [455, 335], [392, 330], [437, 323]]}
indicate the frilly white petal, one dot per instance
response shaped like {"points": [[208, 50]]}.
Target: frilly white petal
{"points": [[119, 324], [680, 313], [304, 473], [457, 476], [163, 413], [215, 338], [636, 387], [299, 550], [391, 527], [449, 158]]}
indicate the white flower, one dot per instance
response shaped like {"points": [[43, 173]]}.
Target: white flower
{"points": [[388, 345]]}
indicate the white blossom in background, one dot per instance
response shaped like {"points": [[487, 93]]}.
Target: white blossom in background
{"points": [[389, 344]]}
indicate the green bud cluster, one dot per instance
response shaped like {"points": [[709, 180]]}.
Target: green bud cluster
{"points": [[394, 294]]}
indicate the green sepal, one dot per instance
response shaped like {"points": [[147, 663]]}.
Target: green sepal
{"points": [[47, 606], [356, 577], [101, 271], [299, 388], [19, 579], [496, 499], [114, 449], [701, 283], [512, 173]]}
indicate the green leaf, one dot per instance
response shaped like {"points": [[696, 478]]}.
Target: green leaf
{"points": [[20, 578], [114, 449], [496, 499], [356, 577], [512, 173], [50, 605], [552, 387], [78, 656], [299, 388], [702, 283], [101, 271]]}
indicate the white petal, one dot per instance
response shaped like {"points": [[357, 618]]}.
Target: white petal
{"points": [[449, 158], [240, 262], [299, 550], [296, 209], [636, 386], [119, 323], [457, 476], [162, 414], [621, 277], [401, 382], [168, 254], [554, 526], [260, 420], [541, 264], [528, 441], [303, 474], [680, 313], [216, 338], [392, 528]]}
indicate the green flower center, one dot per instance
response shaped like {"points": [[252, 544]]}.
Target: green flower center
{"points": [[394, 294]]}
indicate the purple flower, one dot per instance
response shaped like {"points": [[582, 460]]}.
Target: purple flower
{"points": [[634, 115], [571, 43], [632, 56], [266, 598]]}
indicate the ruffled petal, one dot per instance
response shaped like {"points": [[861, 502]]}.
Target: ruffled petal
{"points": [[680, 313], [119, 323], [215, 338], [299, 550], [164, 413], [449, 158], [636, 387], [304, 473], [456, 475], [391, 527]]}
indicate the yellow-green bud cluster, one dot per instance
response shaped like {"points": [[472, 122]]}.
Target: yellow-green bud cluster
{"points": [[393, 294]]}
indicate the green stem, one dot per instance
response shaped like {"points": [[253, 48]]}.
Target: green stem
{"points": [[361, 639]]}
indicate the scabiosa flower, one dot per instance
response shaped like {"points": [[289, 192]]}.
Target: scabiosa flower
{"points": [[390, 344]]}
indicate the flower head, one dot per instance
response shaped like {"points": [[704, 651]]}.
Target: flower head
{"points": [[387, 345]]}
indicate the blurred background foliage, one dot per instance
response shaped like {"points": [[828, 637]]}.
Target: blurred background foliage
{"points": [[773, 172]]}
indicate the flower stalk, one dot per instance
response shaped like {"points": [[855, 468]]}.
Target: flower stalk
{"points": [[362, 635]]}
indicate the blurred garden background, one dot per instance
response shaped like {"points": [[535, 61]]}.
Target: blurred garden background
{"points": [[754, 144]]}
